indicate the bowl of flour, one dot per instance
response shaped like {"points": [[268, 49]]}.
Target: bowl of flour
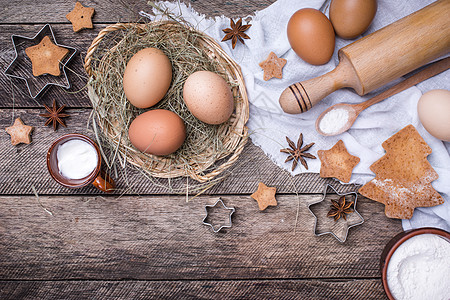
{"points": [[415, 265]]}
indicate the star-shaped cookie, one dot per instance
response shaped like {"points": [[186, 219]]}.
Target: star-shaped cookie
{"points": [[20, 68], [46, 57], [19, 132], [81, 17], [337, 162], [265, 196], [273, 66]]}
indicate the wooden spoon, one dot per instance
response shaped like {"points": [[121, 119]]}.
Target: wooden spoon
{"points": [[355, 109]]}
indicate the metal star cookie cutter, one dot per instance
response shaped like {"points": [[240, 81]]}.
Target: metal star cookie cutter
{"points": [[321, 223], [231, 209], [21, 68]]}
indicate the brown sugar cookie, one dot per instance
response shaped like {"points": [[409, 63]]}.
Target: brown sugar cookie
{"points": [[337, 162], [81, 17], [265, 196], [403, 176], [45, 57], [273, 66], [19, 132]]}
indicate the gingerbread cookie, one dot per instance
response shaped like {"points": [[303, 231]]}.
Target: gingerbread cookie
{"points": [[265, 196], [81, 17], [19, 132], [45, 57], [273, 66], [337, 162], [403, 176]]}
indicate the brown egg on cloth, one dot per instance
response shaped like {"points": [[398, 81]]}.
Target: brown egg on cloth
{"points": [[158, 132], [351, 18], [208, 97], [311, 36], [433, 109], [147, 77]]}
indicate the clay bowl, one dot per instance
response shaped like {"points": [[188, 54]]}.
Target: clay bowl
{"points": [[52, 162], [395, 242]]}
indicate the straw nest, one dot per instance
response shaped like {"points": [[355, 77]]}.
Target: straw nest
{"points": [[208, 149]]}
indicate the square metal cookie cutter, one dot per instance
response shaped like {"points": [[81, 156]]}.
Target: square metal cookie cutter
{"points": [[230, 209], [21, 68], [353, 219]]}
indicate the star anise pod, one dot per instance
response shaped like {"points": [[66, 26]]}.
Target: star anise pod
{"points": [[340, 208], [297, 153], [236, 32], [54, 115]]}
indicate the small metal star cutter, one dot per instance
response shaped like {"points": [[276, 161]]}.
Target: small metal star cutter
{"points": [[353, 219], [21, 68], [231, 209]]}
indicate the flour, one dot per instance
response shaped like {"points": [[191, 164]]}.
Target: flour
{"points": [[420, 269], [396, 191], [333, 121], [76, 159]]}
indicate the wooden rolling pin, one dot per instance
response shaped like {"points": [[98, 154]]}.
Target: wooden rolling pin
{"points": [[378, 58]]}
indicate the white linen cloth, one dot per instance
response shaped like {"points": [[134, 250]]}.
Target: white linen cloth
{"points": [[269, 125]]}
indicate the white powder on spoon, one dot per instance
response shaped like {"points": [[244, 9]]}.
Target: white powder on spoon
{"points": [[420, 269], [333, 121]]}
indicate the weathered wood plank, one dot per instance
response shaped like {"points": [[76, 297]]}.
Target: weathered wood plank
{"points": [[163, 238], [106, 11], [267, 289], [24, 166]]}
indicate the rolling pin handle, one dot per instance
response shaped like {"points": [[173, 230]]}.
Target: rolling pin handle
{"points": [[301, 96]]}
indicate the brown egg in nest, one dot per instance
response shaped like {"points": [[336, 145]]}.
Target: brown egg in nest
{"points": [[147, 77], [157, 132]]}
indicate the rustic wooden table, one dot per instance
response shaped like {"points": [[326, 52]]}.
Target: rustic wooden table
{"points": [[148, 243]]}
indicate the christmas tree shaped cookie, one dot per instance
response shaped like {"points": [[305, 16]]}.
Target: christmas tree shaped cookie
{"points": [[403, 176]]}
